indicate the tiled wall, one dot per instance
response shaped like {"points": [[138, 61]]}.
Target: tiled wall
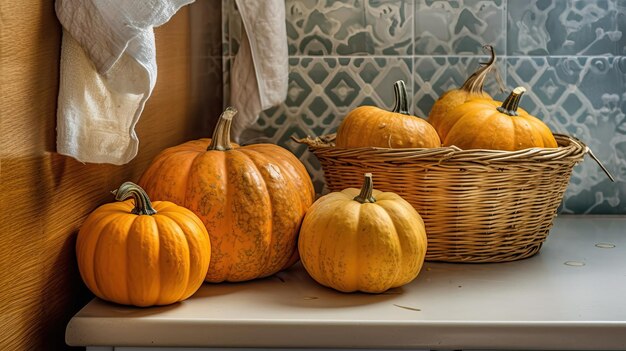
{"points": [[570, 54]]}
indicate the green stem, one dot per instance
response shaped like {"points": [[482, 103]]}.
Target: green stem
{"points": [[143, 206], [221, 134], [476, 82], [510, 105], [402, 102], [366, 190]]}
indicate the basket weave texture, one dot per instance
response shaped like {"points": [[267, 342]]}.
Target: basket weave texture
{"points": [[477, 205]]}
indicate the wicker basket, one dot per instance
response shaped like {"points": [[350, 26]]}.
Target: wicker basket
{"points": [[477, 205]]}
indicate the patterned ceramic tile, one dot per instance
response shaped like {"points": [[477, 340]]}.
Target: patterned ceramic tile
{"points": [[458, 27], [582, 92], [621, 25], [349, 27], [584, 97], [563, 27], [438, 74], [321, 92]]}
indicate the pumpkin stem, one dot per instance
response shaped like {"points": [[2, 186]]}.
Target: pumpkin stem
{"points": [[402, 102], [510, 105], [366, 190], [143, 206], [476, 82], [221, 135]]}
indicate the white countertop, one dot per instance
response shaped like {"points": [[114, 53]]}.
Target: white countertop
{"points": [[572, 295]]}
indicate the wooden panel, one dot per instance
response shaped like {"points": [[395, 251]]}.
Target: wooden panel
{"points": [[46, 196]]}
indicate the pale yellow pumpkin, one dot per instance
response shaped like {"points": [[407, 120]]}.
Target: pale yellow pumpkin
{"points": [[363, 240]]}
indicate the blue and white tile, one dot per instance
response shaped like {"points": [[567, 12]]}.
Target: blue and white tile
{"points": [[564, 27], [349, 27], [459, 27], [584, 97], [621, 25], [321, 92]]}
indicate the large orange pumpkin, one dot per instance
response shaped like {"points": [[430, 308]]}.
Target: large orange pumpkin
{"points": [[370, 126], [251, 198], [470, 90], [142, 253], [483, 124]]}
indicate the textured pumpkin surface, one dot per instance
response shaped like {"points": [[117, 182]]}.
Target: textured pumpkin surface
{"points": [[471, 89], [478, 124], [143, 260], [251, 199], [370, 126], [448, 102], [369, 247]]}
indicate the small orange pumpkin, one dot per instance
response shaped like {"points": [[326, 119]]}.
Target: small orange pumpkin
{"points": [[250, 198], [142, 253], [471, 89], [484, 124], [370, 126]]}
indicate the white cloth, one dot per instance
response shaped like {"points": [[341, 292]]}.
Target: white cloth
{"points": [[108, 71], [260, 72]]}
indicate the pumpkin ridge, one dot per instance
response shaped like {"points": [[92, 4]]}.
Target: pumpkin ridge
{"points": [[396, 239], [152, 297], [296, 170], [170, 287], [244, 160], [103, 274], [185, 242], [193, 244], [82, 243], [393, 207], [227, 223], [187, 188], [270, 246], [381, 279]]}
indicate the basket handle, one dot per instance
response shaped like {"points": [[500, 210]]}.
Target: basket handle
{"points": [[606, 171]]}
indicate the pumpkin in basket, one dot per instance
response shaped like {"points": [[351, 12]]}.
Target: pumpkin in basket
{"points": [[370, 126], [142, 253], [251, 199], [484, 124], [471, 89], [363, 240]]}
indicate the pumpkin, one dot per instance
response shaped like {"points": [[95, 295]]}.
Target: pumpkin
{"points": [[363, 240], [250, 198], [135, 252], [471, 89], [370, 126], [483, 124]]}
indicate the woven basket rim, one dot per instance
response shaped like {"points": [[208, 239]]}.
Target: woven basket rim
{"points": [[569, 147]]}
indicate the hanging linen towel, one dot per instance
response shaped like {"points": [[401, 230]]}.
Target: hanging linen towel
{"points": [[108, 70], [260, 72]]}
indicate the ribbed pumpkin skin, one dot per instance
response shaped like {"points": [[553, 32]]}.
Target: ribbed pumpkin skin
{"points": [[478, 124], [251, 199], [369, 247], [472, 89], [370, 126], [143, 260], [448, 102]]}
